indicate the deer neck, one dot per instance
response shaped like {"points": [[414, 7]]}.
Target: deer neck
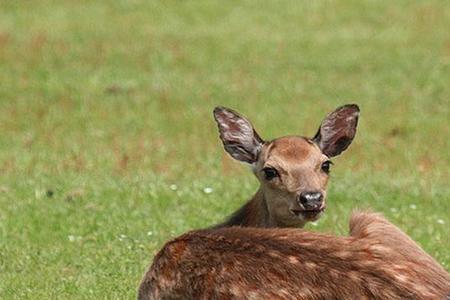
{"points": [[254, 213]]}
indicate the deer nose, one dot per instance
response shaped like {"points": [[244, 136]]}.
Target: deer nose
{"points": [[311, 200]]}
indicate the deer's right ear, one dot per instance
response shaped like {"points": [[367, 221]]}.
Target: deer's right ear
{"points": [[239, 138]]}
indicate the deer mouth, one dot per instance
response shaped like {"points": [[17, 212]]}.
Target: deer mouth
{"points": [[309, 214]]}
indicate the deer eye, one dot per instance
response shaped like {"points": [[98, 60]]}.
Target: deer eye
{"points": [[326, 166], [270, 173]]}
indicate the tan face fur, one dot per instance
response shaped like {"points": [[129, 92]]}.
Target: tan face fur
{"points": [[298, 162]]}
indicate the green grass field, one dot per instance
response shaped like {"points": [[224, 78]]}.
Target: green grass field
{"points": [[107, 140]]}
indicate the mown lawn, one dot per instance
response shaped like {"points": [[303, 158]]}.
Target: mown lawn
{"points": [[107, 141]]}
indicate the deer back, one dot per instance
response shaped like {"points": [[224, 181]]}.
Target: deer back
{"points": [[251, 263]]}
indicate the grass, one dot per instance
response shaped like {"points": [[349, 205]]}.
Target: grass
{"points": [[107, 140]]}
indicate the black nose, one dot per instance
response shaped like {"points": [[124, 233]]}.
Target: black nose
{"points": [[311, 200]]}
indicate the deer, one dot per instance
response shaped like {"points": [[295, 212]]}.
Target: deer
{"points": [[375, 261], [293, 171]]}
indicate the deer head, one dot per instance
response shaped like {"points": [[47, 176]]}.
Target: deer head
{"points": [[293, 170]]}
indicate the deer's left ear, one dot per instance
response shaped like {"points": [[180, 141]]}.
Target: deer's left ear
{"points": [[337, 130]]}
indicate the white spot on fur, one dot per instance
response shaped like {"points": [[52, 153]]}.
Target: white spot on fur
{"points": [[293, 260], [283, 292], [310, 265], [237, 290], [379, 248], [343, 254], [274, 254], [253, 295], [401, 278], [334, 273]]}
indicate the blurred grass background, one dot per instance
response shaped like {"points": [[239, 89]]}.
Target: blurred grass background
{"points": [[107, 141]]}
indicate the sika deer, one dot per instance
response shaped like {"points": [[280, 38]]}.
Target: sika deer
{"points": [[377, 261], [292, 170]]}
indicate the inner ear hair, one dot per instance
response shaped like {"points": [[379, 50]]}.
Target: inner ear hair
{"points": [[337, 130], [239, 137]]}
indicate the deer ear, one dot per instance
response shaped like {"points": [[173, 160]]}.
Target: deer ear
{"points": [[337, 130], [239, 138]]}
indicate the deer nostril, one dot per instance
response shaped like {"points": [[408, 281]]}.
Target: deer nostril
{"points": [[311, 200]]}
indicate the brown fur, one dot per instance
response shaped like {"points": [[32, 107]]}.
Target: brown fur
{"points": [[296, 159], [377, 261]]}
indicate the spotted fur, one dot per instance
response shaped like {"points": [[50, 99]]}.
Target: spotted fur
{"points": [[376, 261]]}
